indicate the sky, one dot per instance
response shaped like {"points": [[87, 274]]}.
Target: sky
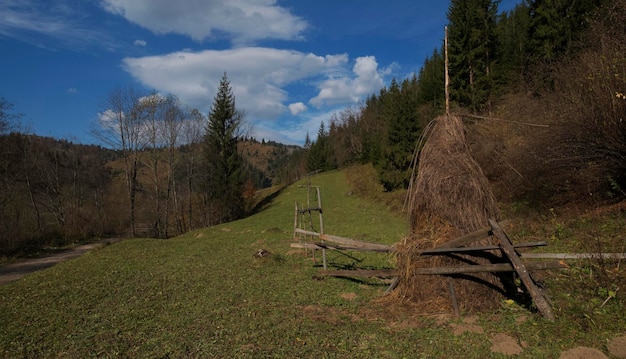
{"points": [[291, 64]]}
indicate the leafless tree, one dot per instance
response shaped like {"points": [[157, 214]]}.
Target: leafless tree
{"points": [[121, 126]]}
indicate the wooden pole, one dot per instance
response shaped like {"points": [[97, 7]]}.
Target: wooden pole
{"points": [[447, 77], [522, 271], [319, 205]]}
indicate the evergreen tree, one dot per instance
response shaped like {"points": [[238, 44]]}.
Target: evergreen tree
{"points": [[430, 82], [320, 156], [512, 31], [555, 25], [224, 164], [472, 51], [403, 130]]}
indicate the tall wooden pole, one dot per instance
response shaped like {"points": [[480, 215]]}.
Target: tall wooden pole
{"points": [[447, 80]]}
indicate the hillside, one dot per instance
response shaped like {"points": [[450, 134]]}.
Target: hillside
{"points": [[205, 294]]}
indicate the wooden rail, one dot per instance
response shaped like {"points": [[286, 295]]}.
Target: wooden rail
{"points": [[499, 267]]}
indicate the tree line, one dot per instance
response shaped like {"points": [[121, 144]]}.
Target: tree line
{"points": [[160, 170], [491, 54]]}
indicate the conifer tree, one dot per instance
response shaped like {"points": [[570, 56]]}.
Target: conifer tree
{"points": [[472, 50], [224, 164], [403, 130]]}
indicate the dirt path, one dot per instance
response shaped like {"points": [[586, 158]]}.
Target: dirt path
{"points": [[15, 271]]}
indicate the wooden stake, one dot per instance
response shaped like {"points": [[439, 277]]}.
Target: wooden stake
{"points": [[447, 77], [522, 271], [455, 303]]}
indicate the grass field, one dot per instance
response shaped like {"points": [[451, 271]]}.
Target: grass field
{"points": [[205, 295]]}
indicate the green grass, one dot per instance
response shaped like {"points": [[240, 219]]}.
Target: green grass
{"points": [[205, 295]]}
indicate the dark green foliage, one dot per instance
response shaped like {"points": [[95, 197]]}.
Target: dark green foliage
{"points": [[224, 164], [403, 131], [430, 82], [472, 47], [320, 155], [555, 25], [512, 31]]}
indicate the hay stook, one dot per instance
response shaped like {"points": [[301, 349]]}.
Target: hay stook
{"points": [[448, 197]]}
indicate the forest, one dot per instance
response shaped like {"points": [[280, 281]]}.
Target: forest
{"points": [[541, 89]]}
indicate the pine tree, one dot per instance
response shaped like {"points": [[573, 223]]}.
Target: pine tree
{"points": [[403, 130], [224, 164], [319, 156], [555, 25], [472, 50], [512, 30], [430, 82]]}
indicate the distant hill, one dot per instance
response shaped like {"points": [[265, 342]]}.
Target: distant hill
{"points": [[267, 157]]}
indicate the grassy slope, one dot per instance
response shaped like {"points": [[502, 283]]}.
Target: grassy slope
{"points": [[205, 295]]}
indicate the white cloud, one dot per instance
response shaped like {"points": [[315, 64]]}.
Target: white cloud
{"points": [[257, 75], [243, 21], [297, 108], [72, 90], [344, 89], [294, 132], [141, 43], [263, 81]]}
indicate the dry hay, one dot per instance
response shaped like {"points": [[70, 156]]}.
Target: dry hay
{"points": [[450, 183], [449, 197]]}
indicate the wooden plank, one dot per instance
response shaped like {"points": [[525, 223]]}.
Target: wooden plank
{"points": [[305, 246], [307, 233], [522, 271], [478, 268], [321, 246], [372, 247], [381, 273], [355, 244], [575, 255], [365, 247], [471, 237], [439, 250], [463, 269]]}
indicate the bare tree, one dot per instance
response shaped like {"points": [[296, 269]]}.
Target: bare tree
{"points": [[173, 117], [121, 126], [191, 135]]}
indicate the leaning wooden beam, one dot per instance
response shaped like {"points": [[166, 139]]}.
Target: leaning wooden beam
{"points": [[471, 237], [575, 255], [346, 241], [522, 271], [463, 269]]}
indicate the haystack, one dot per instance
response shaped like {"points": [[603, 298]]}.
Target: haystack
{"points": [[449, 197]]}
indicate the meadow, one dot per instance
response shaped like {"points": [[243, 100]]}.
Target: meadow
{"points": [[205, 295]]}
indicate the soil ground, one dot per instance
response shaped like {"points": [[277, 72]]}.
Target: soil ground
{"points": [[23, 267]]}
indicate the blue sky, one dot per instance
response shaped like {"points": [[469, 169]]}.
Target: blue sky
{"points": [[291, 64]]}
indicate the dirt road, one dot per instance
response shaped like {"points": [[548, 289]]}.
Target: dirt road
{"points": [[15, 271]]}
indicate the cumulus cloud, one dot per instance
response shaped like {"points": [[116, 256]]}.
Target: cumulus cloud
{"points": [[297, 108], [258, 75], [243, 21], [264, 80], [141, 43], [72, 90], [345, 89]]}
